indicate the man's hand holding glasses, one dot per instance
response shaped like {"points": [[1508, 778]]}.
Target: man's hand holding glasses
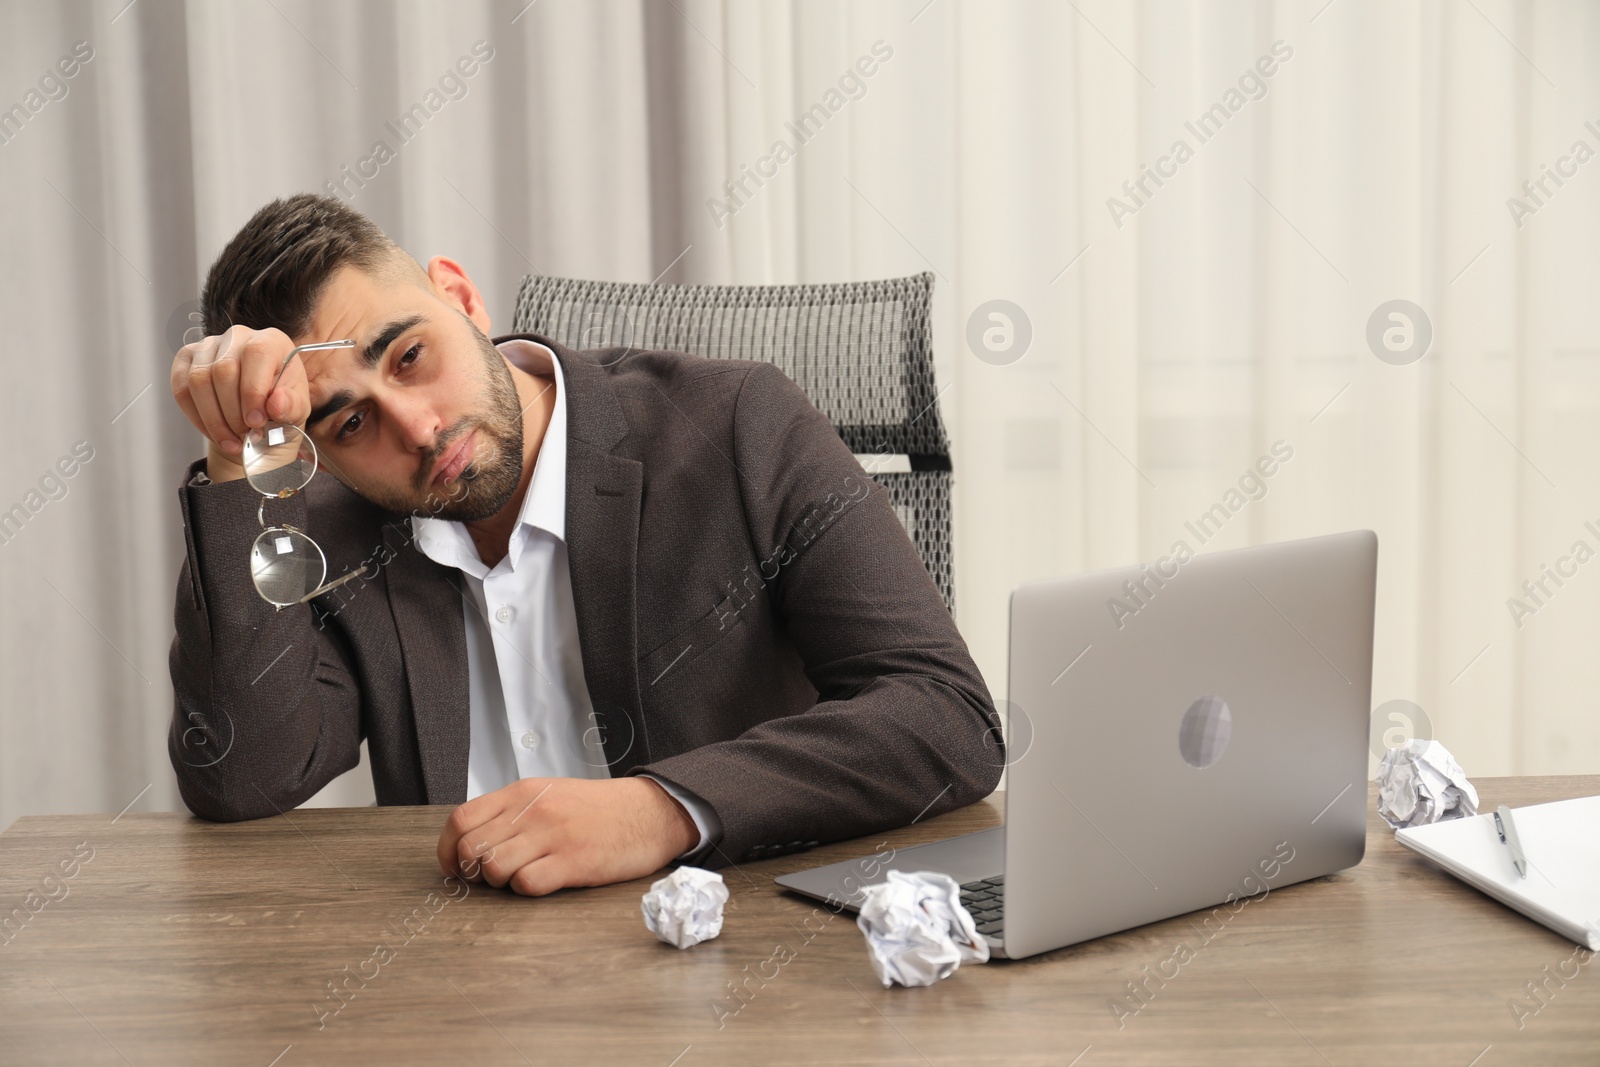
{"points": [[248, 394], [225, 385]]}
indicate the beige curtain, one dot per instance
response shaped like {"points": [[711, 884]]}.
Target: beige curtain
{"points": [[1178, 330]]}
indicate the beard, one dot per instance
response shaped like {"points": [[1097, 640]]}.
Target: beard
{"points": [[486, 484]]}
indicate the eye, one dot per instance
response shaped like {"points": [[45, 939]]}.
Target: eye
{"points": [[354, 422]]}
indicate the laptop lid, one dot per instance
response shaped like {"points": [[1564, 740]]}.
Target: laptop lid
{"points": [[1196, 731]]}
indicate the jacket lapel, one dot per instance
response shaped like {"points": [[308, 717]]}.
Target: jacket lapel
{"points": [[425, 598], [604, 494]]}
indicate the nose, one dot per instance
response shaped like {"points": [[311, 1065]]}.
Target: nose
{"points": [[415, 421]]}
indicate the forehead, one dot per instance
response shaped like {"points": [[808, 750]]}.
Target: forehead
{"points": [[362, 307]]}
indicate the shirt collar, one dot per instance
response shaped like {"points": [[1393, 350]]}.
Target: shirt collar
{"points": [[545, 505]]}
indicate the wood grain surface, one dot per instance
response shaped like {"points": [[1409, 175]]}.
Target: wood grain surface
{"points": [[175, 941]]}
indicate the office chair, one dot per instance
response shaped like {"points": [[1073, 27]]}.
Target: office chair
{"points": [[862, 351]]}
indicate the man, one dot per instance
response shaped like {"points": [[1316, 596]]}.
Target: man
{"points": [[621, 607]]}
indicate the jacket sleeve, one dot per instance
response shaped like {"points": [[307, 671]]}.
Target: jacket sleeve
{"points": [[266, 709], [904, 727]]}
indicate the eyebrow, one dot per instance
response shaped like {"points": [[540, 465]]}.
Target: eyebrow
{"points": [[371, 356]]}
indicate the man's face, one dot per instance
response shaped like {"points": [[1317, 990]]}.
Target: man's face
{"points": [[391, 416]]}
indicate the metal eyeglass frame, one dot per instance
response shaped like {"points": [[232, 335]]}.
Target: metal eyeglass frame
{"points": [[268, 531]]}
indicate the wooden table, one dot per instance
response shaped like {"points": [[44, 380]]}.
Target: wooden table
{"points": [[176, 941]]}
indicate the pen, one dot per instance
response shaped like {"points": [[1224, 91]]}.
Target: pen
{"points": [[1507, 829]]}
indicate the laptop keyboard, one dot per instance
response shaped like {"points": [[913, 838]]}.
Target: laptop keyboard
{"points": [[986, 900]]}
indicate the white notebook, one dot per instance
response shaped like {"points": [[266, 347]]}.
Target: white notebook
{"points": [[1561, 841]]}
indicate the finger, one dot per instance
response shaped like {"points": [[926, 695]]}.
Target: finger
{"points": [[182, 366], [214, 424], [478, 857], [180, 393], [190, 412], [449, 842], [445, 851], [225, 384], [258, 366], [197, 353], [472, 852], [290, 401], [540, 878], [272, 382], [500, 850], [464, 819], [226, 370]]}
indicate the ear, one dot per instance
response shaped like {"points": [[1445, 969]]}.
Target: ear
{"points": [[451, 284]]}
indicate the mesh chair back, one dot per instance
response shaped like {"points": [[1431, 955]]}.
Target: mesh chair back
{"points": [[861, 351]]}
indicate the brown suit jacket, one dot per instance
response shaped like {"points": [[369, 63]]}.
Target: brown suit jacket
{"points": [[755, 625]]}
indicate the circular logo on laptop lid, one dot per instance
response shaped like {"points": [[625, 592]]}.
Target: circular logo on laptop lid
{"points": [[1203, 735]]}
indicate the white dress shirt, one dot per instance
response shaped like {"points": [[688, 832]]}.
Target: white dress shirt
{"points": [[530, 710]]}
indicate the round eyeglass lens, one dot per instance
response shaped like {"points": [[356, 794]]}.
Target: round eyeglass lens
{"points": [[286, 566], [278, 459]]}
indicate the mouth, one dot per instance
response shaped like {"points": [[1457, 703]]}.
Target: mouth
{"points": [[455, 461]]}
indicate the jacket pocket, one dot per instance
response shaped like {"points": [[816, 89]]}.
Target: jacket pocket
{"points": [[674, 655]]}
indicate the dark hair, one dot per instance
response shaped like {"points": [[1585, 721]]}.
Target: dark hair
{"points": [[271, 273]]}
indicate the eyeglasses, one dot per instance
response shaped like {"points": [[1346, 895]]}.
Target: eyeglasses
{"points": [[279, 460]]}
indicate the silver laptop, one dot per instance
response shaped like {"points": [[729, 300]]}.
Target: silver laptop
{"points": [[1182, 734]]}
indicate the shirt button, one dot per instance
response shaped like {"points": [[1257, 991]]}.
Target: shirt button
{"points": [[529, 739], [504, 614]]}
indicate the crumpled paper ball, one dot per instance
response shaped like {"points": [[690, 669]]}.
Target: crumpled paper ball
{"points": [[1421, 783], [917, 931], [685, 907]]}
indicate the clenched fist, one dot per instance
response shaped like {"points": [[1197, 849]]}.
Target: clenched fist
{"points": [[538, 835]]}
